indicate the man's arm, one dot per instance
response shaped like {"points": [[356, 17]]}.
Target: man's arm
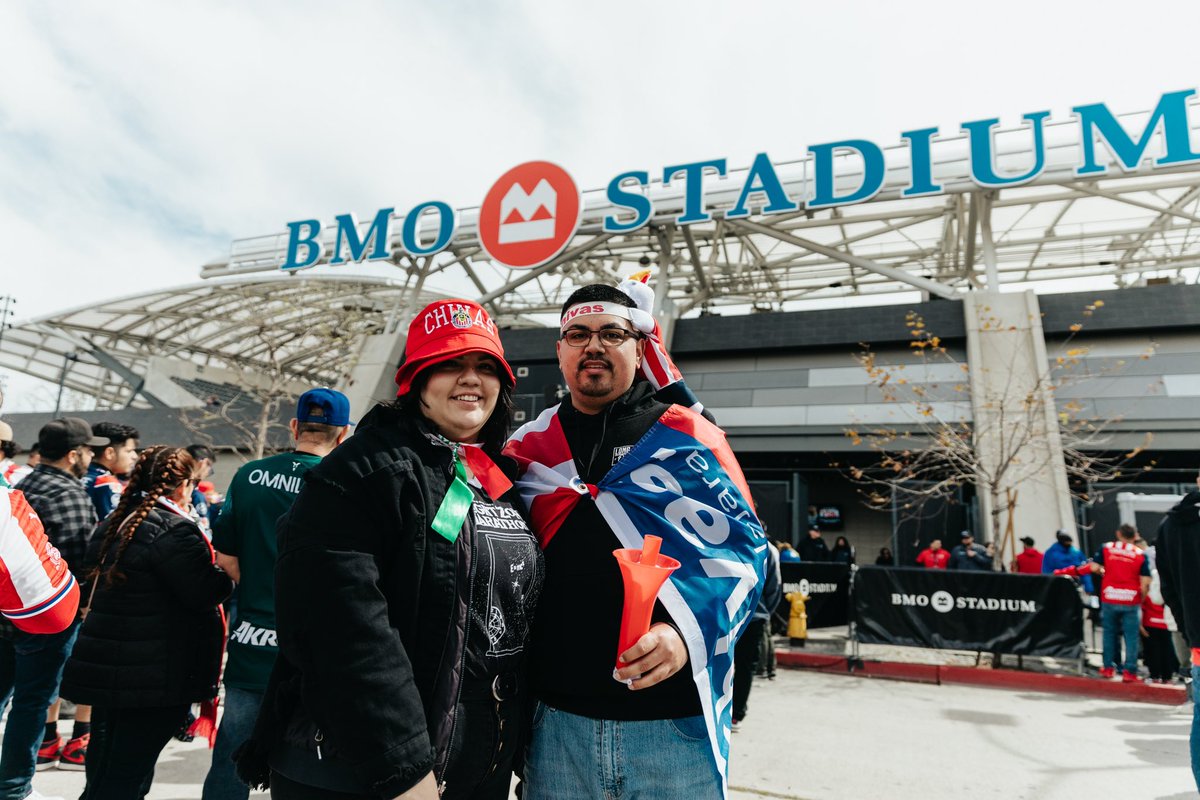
{"points": [[229, 564], [225, 538]]}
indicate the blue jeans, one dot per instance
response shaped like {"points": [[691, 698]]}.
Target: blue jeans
{"points": [[1195, 740], [237, 723], [1120, 622], [578, 758], [37, 668]]}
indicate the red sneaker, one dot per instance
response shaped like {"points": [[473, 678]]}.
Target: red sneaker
{"points": [[1108, 672], [74, 753], [1126, 677], [48, 753]]}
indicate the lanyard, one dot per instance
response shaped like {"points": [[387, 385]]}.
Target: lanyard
{"points": [[452, 513]]}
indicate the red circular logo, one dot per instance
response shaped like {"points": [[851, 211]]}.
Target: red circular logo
{"points": [[529, 215]]}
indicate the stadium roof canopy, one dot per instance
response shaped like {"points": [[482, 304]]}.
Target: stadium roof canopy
{"points": [[232, 331]]}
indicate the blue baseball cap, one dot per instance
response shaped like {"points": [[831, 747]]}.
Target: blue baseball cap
{"points": [[325, 406]]}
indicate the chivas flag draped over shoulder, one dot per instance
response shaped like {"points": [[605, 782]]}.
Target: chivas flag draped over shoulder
{"points": [[680, 482]]}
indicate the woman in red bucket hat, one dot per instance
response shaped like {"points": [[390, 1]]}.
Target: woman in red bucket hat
{"points": [[405, 588]]}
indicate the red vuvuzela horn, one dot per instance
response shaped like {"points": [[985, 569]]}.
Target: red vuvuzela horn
{"points": [[643, 572]]}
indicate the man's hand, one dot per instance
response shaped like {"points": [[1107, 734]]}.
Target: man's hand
{"points": [[230, 565], [657, 656], [425, 790]]}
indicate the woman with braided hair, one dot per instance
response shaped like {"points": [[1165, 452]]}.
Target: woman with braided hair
{"points": [[151, 642]]}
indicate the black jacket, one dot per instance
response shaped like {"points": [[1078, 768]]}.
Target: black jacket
{"points": [[813, 550], [575, 634], [154, 638], [372, 614], [1177, 551], [975, 559]]}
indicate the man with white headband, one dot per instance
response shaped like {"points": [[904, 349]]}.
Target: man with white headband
{"points": [[607, 466]]}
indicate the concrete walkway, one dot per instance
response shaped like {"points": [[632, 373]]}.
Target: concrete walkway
{"points": [[813, 736]]}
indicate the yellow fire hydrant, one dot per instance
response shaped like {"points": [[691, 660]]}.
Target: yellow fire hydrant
{"points": [[797, 619]]}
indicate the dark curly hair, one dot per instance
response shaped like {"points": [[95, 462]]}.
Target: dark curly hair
{"points": [[494, 432]]}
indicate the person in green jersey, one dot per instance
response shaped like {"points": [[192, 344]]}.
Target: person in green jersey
{"points": [[244, 538]]}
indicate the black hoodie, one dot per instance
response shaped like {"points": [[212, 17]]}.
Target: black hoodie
{"points": [[575, 633], [1178, 561]]}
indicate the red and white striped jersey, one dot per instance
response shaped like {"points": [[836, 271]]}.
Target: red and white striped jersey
{"points": [[38, 594], [13, 472]]}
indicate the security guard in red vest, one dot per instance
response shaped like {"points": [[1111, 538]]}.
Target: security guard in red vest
{"points": [[1126, 581]]}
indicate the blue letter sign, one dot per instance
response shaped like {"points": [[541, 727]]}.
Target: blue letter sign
{"points": [[348, 229], [634, 201], [873, 172], [307, 238], [1171, 111]]}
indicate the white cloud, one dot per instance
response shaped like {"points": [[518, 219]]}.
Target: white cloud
{"points": [[138, 138]]}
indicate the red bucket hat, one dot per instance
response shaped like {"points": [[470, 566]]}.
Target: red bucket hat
{"points": [[446, 329]]}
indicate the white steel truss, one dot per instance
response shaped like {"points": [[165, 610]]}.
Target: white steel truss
{"points": [[313, 327]]}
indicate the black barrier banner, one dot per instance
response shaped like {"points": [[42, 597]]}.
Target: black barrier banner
{"points": [[994, 612], [828, 590]]}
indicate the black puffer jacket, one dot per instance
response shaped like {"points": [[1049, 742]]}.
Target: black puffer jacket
{"points": [[156, 637], [1177, 556], [371, 612]]}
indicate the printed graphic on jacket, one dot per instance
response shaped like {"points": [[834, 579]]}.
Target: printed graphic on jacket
{"points": [[507, 583]]}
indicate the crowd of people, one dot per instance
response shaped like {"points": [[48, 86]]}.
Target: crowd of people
{"points": [[393, 613]]}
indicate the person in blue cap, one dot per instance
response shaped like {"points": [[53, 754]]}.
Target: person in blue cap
{"points": [[244, 538]]}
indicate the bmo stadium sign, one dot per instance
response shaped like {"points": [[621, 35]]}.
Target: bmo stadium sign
{"points": [[531, 213], [991, 612], [943, 602], [827, 587]]}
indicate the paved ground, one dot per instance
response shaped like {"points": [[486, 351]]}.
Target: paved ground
{"points": [[830, 737]]}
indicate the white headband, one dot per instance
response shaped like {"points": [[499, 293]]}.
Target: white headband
{"points": [[592, 309]]}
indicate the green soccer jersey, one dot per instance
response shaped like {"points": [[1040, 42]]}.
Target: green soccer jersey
{"points": [[261, 492]]}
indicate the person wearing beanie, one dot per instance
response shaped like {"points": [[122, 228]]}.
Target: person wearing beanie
{"points": [[1063, 555], [609, 465], [404, 591]]}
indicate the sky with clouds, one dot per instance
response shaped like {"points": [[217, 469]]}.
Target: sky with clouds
{"points": [[138, 139]]}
